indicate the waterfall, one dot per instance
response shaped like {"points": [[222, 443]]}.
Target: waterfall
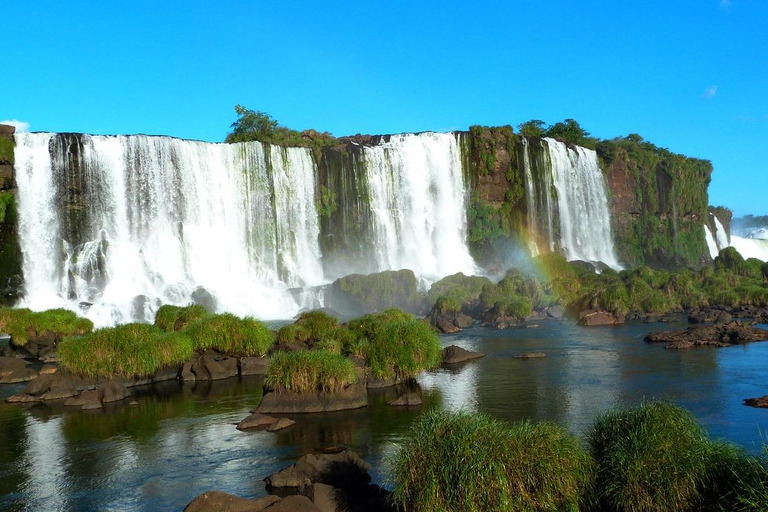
{"points": [[714, 250], [720, 234], [121, 224], [419, 203], [582, 204]]}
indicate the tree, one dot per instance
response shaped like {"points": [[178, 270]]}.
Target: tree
{"points": [[571, 132], [532, 128], [252, 125]]}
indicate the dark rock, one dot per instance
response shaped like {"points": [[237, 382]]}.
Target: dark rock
{"points": [[42, 346], [253, 365], [280, 425], [256, 420], [455, 354], [358, 361], [293, 346], [186, 374], [7, 129], [165, 374], [327, 498], [47, 387], [595, 318], [295, 503], [286, 402], [88, 399], [491, 318], [342, 468], [377, 383], [463, 321], [204, 298], [212, 366], [723, 318], [711, 335], [446, 325], [407, 400], [13, 370], [48, 369], [757, 402], [113, 391], [652, 319], [531, 355], [215, 501]]}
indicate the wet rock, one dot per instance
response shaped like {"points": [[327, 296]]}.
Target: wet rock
{"points": [[407, 400], [253, 365], [723, 318], [446, 325], [186, 374], [455, 354], [295, 503], [286, 402], [113, 391], [326, 497], [215, 501], [595, 318], [256, 420], [531, 355], [726, 335], [338, 468], [48, 369], [14, 370], [41, 346], [757, 402], [213, 366], [88, 399], [165, 374], [377, 383], [204, 298], [280, 425], [555, 312]]}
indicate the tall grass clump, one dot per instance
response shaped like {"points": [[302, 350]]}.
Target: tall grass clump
{"points": [[461, 462], [654, 457], [127, 350], [177, 318], [309, 328], [309, 371], [396, 345], [736, 481], [19, 322], [231, 335]]}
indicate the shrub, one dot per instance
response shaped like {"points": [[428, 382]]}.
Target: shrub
{"points": [[176, 318], [127, 350], [447, 306], [313, 325], [19, 322], [308, 371], [461, 288], [397, 345], [651, 457], [231, 335], [471, 462]]}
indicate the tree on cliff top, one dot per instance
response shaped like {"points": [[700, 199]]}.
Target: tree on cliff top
{"points": [[256, 125]]}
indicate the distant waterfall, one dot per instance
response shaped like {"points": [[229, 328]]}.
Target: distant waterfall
{"points": [[418, 199], [129, 222], [714, 249], [582, 204]]}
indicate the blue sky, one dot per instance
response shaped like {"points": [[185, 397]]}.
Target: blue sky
{"points": [[691, 76]]}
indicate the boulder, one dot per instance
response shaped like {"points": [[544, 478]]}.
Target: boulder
{"points": [[726, 335], [253, 365], [256, 420], [288, 402], [213, 366], [48, 369], [41, 346], [327, 498], [215, 501], [531, 355], [294, 503], [377, 383], [555, 312], [463, 321], [757, 402], [446, 325], [204, 298], [723, 318], [280, 425], [338, 468], [165, 374], [14, 370], [47, 387], [595, 318], [455, 354], [88, 399], [113, 391], [407, 400]]}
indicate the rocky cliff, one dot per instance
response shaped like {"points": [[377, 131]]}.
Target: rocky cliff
{"points": [[10, 252]]}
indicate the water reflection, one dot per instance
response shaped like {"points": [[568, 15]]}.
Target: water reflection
{"points": [[179, 440]]}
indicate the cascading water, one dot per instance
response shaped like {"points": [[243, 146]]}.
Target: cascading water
{"points": [[720, 234], [582, 204], [711, 243], [129, 222], [418, 200]]}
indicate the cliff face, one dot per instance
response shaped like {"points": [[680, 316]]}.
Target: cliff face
{"points": [[10, 252]]}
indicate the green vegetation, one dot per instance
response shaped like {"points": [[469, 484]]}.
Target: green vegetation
{"points": [[308, 371], [375, 292], [127, 350], [176, 318], [6, 150], [652, 457], [464, 462], [231, 335], [327, 203], [458, 287], [20, 323]]}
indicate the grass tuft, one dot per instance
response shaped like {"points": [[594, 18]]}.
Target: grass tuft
{"points": [[127, 350], [231, 335], [309, 371], [177, 318], [19, 323], [472, 463]]}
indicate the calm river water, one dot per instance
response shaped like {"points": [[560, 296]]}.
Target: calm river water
{"points": [[181, 440]]}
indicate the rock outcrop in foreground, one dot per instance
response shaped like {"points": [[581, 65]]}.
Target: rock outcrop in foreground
{"points": [[726, 335]]}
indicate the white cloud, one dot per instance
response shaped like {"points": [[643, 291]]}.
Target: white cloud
{"points": [[709, 92], [21, 126]]}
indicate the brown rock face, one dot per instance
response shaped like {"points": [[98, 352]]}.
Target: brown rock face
{"points": [[13, 370], [595, 318], [286, 402], [761, 402], [342, 468], [455, 354], [712, 335], [215, 501]]}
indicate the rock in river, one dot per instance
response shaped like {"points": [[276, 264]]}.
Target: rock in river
{"points": [[726, 335]]}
